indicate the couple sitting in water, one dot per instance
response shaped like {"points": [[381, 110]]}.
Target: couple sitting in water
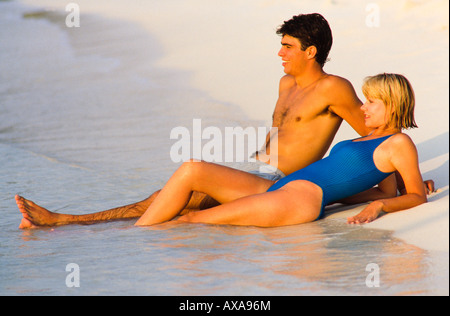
{"points": [[309, 111]]}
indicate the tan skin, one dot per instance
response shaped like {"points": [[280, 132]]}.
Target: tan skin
{"points": [[308, 113]]}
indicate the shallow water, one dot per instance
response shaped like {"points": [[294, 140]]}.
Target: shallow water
{"points": [[85, 121]]}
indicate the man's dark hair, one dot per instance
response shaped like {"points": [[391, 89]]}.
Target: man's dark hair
{"points": [[310, 30]]}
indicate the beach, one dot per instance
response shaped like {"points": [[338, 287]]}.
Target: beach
{"points": [[85, 126]]}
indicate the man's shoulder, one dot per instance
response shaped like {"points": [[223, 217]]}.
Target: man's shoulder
{"points": [[287, 81], [331, 86], [333, 83], [337, 91]]}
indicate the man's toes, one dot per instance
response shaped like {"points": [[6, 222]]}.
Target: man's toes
{"points": [[25, 224]]}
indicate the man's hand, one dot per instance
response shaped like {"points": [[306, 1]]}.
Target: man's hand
{"points": [[369, 214], [429, 186]]}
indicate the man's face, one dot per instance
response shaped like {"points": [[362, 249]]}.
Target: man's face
{"points": [[292, 55]]}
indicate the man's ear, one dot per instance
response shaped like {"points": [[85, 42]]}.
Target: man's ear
{"points": [[311, 52]]}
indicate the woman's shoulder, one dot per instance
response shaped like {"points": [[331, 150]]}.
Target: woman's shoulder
{"points": [[401, 142], [401, 138]]}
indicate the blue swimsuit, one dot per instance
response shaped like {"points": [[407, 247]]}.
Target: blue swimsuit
{"points": [[348, 170]]}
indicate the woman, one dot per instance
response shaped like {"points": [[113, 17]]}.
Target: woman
{"points": [[353, 166]]}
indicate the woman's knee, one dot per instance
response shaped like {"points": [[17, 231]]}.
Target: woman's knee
{"points": [[191, 168], [153, 196], [192, 163]]}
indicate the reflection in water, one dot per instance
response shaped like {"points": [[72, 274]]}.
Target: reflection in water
{"points": [[337, 255], [327, 257]]}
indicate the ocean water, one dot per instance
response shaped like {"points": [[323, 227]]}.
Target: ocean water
{"points": [[85, 122]]}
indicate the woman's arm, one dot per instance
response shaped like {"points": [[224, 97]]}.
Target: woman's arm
{"points": [[404, 159], [429, 185]]}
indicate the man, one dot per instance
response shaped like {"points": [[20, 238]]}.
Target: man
{"points": [[309, 111]]}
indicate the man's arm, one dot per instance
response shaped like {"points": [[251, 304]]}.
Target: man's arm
{"points": [[345, 103]]}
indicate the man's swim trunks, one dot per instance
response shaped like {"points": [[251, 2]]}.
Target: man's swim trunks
{"points": [[261, 169]]}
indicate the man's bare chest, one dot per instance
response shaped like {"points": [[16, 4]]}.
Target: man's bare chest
{"points": [[297, 108]]}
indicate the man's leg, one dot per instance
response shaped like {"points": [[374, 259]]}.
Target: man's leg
{"points": [[35, 215]]}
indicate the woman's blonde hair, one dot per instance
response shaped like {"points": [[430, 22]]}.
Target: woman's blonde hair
{"points": [[397, 94]]}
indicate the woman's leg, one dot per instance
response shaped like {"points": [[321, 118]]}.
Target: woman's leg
{"points": [[296, 203], [221, 183]]}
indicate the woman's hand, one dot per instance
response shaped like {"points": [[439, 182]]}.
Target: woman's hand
{"points": [[369, 214]]}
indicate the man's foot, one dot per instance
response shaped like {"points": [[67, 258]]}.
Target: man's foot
{"points": [[26, 224], [34, 215]]}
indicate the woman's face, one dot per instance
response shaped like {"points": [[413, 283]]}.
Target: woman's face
{"points": [[375, 113]]}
